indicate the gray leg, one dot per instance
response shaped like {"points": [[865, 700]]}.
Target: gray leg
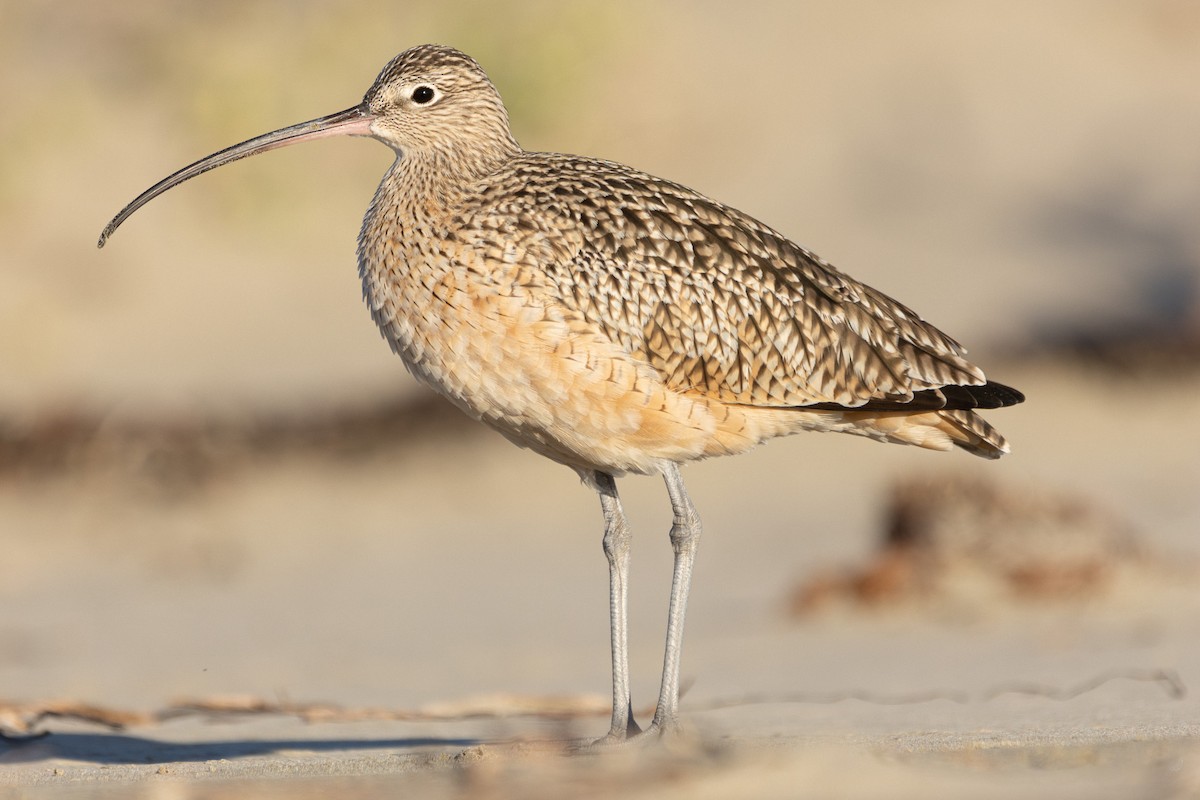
{"points": [[616, 548], [685, 536]]}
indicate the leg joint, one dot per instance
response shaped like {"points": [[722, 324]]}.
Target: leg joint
{"points": [[685, 531]]}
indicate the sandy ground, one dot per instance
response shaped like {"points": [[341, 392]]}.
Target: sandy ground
{"points": [[384, 586], [1022, 180]]}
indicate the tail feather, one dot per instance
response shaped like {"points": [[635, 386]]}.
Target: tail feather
{"points": [[974, 434], [935, 430]]}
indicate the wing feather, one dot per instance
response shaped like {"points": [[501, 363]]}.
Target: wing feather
{"points": [[720, 304]]}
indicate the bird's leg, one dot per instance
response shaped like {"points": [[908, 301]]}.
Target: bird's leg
{"points": [[685, 536], [616, 548]]}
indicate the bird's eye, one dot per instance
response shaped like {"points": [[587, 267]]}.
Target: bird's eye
{"points": [[423, 94]]}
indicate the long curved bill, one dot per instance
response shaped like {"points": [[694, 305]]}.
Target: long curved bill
{"points": [[351, 122]]}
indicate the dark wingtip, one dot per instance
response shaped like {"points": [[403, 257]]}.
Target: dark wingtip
{"points": [[1003, 395], [987, 395], [950, 398]]}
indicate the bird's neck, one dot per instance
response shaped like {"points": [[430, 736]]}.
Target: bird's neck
{"points": [[416, 204], [433, 181], [418, 198]]}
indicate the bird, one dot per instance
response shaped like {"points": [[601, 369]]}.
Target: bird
{"points": [[616, 322]]}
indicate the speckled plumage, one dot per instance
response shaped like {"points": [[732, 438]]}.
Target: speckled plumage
{"points": [[612, 320], [616, 322]]}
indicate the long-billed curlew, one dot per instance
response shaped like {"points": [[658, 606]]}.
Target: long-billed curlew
{"points": [[616, 322]]}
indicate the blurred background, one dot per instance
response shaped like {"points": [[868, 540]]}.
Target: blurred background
{"points": [[215, 478]]}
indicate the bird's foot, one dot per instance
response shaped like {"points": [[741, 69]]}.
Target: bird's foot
{"points": [[618, 735], [663, 728], [632, 736]]}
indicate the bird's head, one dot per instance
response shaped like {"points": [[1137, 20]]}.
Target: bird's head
{"points": [[436, 99]]}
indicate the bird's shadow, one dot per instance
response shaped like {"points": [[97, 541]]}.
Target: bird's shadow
{"points": [[118, 748]]}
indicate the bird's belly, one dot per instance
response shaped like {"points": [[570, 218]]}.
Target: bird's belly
{"points": [[547, 381]]}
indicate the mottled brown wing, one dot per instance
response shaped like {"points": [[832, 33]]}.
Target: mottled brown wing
{"points": [[721, 304]]}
